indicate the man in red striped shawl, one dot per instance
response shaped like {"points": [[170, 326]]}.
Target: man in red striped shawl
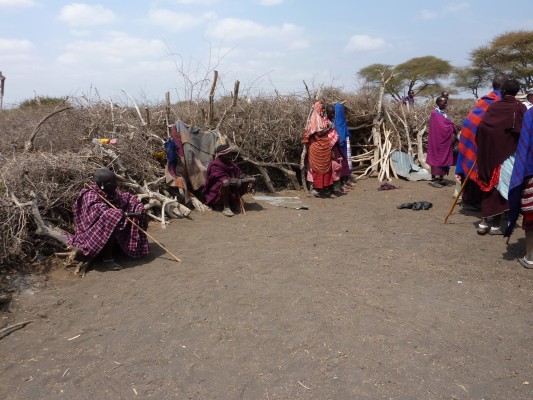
{"points": [[440, 140], [100, 228], [467, 143], [497, 139]]}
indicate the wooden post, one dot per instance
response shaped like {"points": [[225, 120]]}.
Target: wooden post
{"points": [[2, 83], [147, 111], [210, 112], [167, 113], [112, 108], [376, 122], [235, 94]]}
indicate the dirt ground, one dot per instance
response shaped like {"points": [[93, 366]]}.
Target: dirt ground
{"points": [[351, 299]]}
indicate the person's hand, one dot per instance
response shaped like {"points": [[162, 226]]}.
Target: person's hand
{"points": [[248, 179], [133, 215], [458, 178], [234, 182]]}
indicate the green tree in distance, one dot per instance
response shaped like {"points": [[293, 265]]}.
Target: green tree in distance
{"points": [[421, 74], [510, 53], [470, 79]]}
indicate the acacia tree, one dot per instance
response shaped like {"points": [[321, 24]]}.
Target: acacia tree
{"points": [[510, 53], [424, 72], [374, 73], [470, 78], [420, 74]]}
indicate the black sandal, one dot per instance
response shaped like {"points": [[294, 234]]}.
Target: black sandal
{"points": [[112, 265], [405, 205], [435, 184], [426, 205]]}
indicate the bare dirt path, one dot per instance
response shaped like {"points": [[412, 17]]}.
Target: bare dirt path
{"points": [[351, 299]]}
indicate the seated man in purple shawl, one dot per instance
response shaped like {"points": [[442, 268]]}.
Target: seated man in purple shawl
{"points": [[440, 140], [224, 182], [101, 228]]}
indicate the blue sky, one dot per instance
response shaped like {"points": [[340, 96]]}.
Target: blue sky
{"points": [[58, 48]]}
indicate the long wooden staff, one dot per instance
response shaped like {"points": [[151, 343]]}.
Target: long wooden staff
{"points": [[460, 191], [137, 226]]}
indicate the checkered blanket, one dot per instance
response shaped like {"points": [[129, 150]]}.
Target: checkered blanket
{"points": [[96, 221]]}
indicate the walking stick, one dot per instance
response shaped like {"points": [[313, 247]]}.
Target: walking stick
{"points": [[137, 226], [460, 191]]}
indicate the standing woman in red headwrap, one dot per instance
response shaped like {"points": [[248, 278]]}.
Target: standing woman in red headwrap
{"points": [[319, 149]]}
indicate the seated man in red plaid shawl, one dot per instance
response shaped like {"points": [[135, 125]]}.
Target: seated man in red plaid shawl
{"points": [[101, 228]]}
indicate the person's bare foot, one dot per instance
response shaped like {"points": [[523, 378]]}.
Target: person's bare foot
{"points": [[112, 265]]}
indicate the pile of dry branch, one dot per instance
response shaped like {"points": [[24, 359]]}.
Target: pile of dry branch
{"points": [[48, 153]]}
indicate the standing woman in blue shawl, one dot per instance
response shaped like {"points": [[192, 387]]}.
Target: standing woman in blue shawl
{"points": [[344, 140], [342, 130], [521, 188]]}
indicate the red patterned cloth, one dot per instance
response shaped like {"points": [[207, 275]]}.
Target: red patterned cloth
{"points": [[467, 141], [96, 221], [526, 205], [497, 139], [317, 121], [319, 147]]}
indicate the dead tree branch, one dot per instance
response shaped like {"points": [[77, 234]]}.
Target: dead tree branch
{"points": [[30, 142]]}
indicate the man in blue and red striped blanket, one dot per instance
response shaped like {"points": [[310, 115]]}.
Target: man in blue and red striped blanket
{"points": [[101, 228], [467, 141], [521, 188]]}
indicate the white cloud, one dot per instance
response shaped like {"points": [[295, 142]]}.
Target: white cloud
{"points": [[16, 3], [240, 29], [428, 14], [117, 50], [80, 32], [299, 44], [15, 51], [15, 45], [270, 54], [364, 43], [452, 8], [176, 21], [270, 2], [195, 2], [456, 7], [79, 14]]}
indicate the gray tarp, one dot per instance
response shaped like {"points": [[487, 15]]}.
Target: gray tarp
{"points": [[405, 166], [287, 202]]}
